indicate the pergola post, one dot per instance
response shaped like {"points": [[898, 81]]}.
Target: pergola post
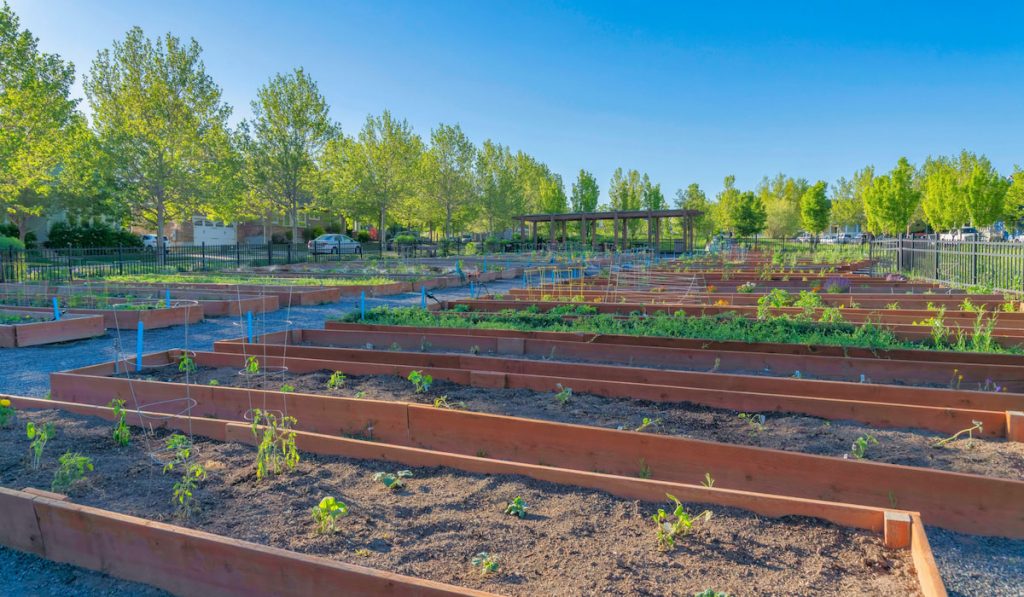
{"points": [[615, 232], [534, 235], [657, 236]]}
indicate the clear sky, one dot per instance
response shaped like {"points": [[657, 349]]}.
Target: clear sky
{"points": [[686, 91]]}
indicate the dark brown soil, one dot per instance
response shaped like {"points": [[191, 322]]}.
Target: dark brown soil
{"points": [[573, 542], [793, 432]]}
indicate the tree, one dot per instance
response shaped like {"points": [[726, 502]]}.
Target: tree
{"points": [[962, 190], [161, 124], [942, 198], [1013, 203], [585, 193], [848, 199], [291, 125], [694, 198], [748, 214], [892, 199], [814, 208], [449, 176], [383, 167], [781, 199], [725, 205], [39, 122], [626, 193], [497, 182]]}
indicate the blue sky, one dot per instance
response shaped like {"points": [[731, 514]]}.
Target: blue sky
{"points": [[688, 92]]}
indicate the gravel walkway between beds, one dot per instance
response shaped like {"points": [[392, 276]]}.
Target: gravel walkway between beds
{"points": [[970, 565]]}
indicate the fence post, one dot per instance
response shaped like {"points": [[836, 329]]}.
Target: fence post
{"points": [[3, 267], [70, 275], [202, 248], [974, 263], [238, 254], [270, 253], [289, 254]]}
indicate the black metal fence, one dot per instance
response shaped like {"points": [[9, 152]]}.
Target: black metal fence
{"points": [[996, 266]]}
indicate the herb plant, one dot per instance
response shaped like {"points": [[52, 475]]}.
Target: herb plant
{"points": [[485, 563], [563, 395], [859, 448], [517, 507], [669, 530], [122, 434], [276, 450], [326, 514], [186, 364], [6, 412], [252, 366], [39, 434], [336, 381], [421, 381], [73, 466], [392, 481]]}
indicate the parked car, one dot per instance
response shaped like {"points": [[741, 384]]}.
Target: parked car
{"points": [[804, 237], [333, 244], [828, 239], [966, 233], [149, 241]]}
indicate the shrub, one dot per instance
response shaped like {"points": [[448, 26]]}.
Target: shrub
{"points": [[88, 235], [363, 236]]}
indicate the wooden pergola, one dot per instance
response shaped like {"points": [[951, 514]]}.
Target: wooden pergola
{"points": [[620, 228]]}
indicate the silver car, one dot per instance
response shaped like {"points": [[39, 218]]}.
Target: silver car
{"points": [[335, 244]]}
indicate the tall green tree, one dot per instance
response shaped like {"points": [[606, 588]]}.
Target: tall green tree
{"points": [[585, 193], [449, 176], [781, 197], [626, 192], [39, 123], [892, 199], [496, 172], [162, 126], [1013, 204], [692, 197], [848, 199], [748, 215], [291, 125], [725, 205], [814, 208]]}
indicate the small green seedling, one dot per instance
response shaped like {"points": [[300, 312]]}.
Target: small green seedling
{"points": [[392, 481], [213, 382], [360, 394], [180, 447], [668, 530], [564, 394], [708, 481], [73, 466], [276, 450], [648, 423], [755, 423], [486, 563], [969, 431], [252, 366], [6, 412], [186, 364], [442, 402], [39, 434], [517, 507], [421, 381], [645, 471], [326, 514], [183, 495], [859, 448], [122, 434], [336, 381], [287, 388], [710, 593]]}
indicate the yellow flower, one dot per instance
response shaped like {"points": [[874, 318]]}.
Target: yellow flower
{"points": [[5, 402]]}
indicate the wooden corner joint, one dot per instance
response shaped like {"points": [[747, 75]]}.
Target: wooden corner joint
{"points": [[1015, 426], [897, 530]]}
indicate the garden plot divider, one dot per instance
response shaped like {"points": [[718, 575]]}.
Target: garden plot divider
{"points": [[901, 529], [983, 505], [44, 329], [179, 313], [901, 367]]}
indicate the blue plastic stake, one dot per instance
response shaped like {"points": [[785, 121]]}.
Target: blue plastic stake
{"points": [[423, 297], [362, 305], [138, 348], [167, 299], [248, 325], [56, 309], [525, 285], [484, 270], [472, 290]]}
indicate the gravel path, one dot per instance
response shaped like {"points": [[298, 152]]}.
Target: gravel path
{"points": [[970, 565]]}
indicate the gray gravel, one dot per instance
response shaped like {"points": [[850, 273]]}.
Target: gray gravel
{"points": [[970, 565]]}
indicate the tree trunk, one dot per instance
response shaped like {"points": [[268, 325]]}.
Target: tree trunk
{"points": [[294, 213], [160, 215], [382, 232]]}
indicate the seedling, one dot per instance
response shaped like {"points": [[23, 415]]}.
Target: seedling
{"points": [[73, 466], [669, 530], [252, 366], [6, 412], [708, 481], [327, 513], [186, 364], [710, 593], [442, 402], [969, 431], [276, 450], [336, 381], [360, 394], [287, 388], [181, 448], [645, 471], [564, 394], [648, 423], [213, 382], [859, 448], [39, 434], [392, 481], [122, 434], [363, 552], [755, 423], [421, 381], [183, 495], [486, 563], [517, 507]]}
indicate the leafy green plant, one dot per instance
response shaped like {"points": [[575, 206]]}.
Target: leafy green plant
{"points": [[327, 513], [287, 387], [755, 423], [831, 315], [485, 563], [976, 426], [710, 593], [442, 402], [252, 366], [392, 481], [563, 395], [517, 507], [183, 494], [647, 422], [186, 364], [336, 381], [276, 450], [892, 306], [421, 381], [39, 434], [746, 287], [73, 467], [669, 530], [6, 412], [859, 448], [122, 434], [708, 481]]}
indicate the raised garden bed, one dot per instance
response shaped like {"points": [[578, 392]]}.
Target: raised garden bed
{"points": [[153, 315], [984, 505], [443, 516], [20, 327]]}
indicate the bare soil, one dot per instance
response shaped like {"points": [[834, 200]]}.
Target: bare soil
{"points": [[573, 541], [793, 432]]}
